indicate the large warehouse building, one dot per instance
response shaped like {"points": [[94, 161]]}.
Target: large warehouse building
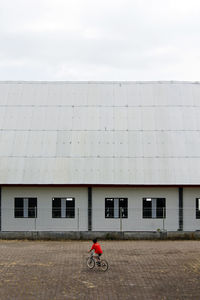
{"points": [[99, 156]]}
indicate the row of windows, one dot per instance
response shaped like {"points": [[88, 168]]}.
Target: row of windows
{"points": [[61, 207], [153, 208]]}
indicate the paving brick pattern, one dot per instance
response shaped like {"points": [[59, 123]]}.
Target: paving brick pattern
{"points": [[138, 270]]}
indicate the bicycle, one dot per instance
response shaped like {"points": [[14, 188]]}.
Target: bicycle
{"points": [[102, 263]]}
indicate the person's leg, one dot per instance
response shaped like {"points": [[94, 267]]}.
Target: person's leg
{"points": [[95, 256], [99, 259]]}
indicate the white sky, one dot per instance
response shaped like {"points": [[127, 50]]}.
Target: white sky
{"points": [[100, 40]]}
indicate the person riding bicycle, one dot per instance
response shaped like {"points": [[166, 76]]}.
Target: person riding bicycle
{"points": [[97, 250]]}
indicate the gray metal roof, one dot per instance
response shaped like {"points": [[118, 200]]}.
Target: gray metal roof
{"points": [[140, 133]]}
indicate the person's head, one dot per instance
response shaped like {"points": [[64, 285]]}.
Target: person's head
{"points": [[95, 241]]}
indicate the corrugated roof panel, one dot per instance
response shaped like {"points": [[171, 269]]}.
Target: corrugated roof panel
{"points": [[132, 92], [194, 94], [147, 95], [149, 167], [106, 115], [197, 118], [34, 144], [106, 169], [100, 94], [119, 95], [187, 93], [17, 118], [163, 143], [6, 142], [2, 116], [189, 118], [180, 173], [148, 119], [177, 138], [134, 118], [5, 162], [49, 144], [169, 94], [16, 169], [77, 149], [39, 94], [14, 94], [120, 144], [120, 118], [193, 170], [4, 90], [62, 170], [65, 118], [103, 144], [33, 94], [162, 118], [149, 144], [123, 174], [135, 145], [64, 143], [192, 144], [86, 118], [175, 118], [132, 169], [19, 147], [139, 169], [102, 133], [51, 118], [38, 118]]}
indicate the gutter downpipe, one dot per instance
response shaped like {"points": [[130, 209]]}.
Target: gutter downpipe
{"points": [[89, 208], [180, 192], [0, 208]]}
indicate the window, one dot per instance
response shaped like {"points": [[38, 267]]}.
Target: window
{"points": [[154, 208], [197, 208], [25, 207], [63, 207], [116, 207]]}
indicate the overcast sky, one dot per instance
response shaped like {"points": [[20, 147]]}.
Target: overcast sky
{"points": [[100, 40]]}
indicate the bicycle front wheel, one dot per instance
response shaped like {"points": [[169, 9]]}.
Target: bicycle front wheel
{"points": [[104, 265], [90, 263]]}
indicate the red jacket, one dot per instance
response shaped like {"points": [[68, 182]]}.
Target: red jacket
{"points": [[97, 248]]}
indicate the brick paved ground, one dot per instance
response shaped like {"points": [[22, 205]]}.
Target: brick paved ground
{"points": [[138, 270]]}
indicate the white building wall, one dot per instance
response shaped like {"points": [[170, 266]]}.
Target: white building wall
{"points": [[135, 221], [190, 223], [44, 220]]}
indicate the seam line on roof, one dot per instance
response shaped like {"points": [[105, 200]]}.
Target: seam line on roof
{"points": [[99, 82], [99, 130], [99, 156], [100, 106]]}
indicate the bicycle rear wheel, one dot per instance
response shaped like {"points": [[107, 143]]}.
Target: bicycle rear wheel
{"points": [[104, 265], [90, 263]]}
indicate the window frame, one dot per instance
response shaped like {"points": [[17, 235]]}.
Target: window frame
{"points": [[197, 208], [25, 210], [154, 210], [63, 210], [114, 211]]}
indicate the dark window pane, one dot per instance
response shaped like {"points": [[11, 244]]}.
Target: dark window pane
{"points": [[70, 208], [56, 208], [32, 207], [123, 207], [161, 211], [197, 208], [109, 208], [19, 207], [147, 208]]}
